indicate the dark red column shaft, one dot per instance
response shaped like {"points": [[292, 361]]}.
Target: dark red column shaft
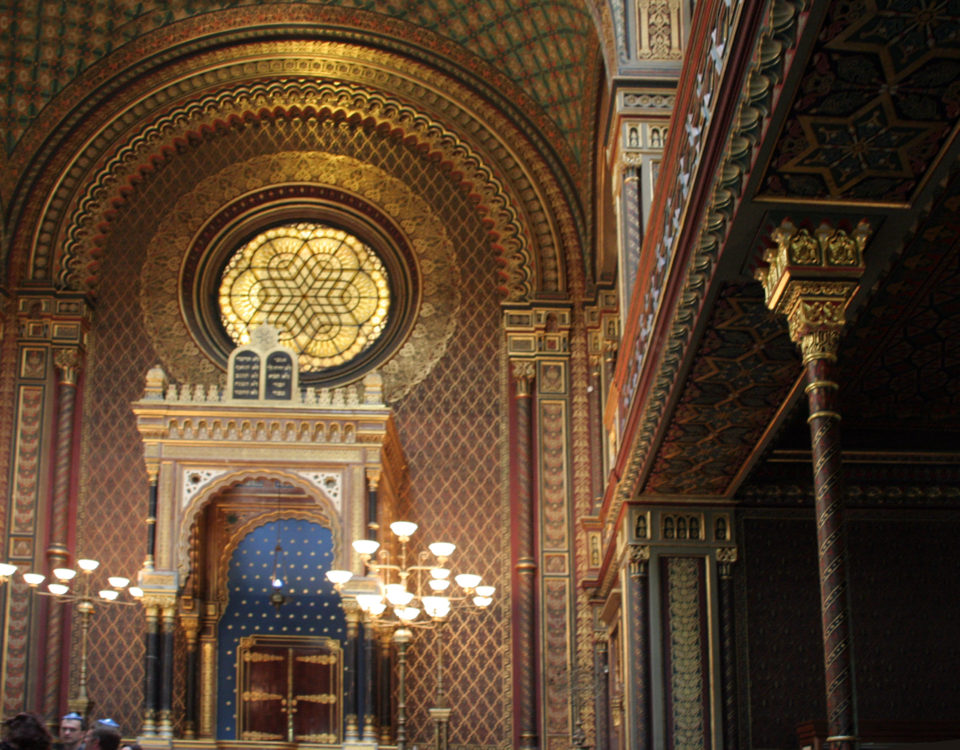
{"points": [[525, 595], [828, 484]]}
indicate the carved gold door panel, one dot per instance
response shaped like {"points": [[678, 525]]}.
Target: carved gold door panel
{"points": [[289, 690]]}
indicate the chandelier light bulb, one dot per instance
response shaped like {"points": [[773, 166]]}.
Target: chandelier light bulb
{"points": [[118, 582], [439, 572], [486, 591], [482, 601], [436, 606], [398, 595], [443, 550], [377, 609], [58, 589], [339, 577], [439, 584], [33, 579], [403, 529], [467, 580], [366, 547], [63, 574], [7, 570], [87, 565], [407, 614], [109, 594], [136, 592], [367, 601]]}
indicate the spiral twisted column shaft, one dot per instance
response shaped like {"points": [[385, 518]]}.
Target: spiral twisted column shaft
{"points": [[525, 625], [810, 278], [68, 363]]}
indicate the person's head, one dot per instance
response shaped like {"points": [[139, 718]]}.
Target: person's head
{"points": [[26, 732], [71, 730], [101, 737]]}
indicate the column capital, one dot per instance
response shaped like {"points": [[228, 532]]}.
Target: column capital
{"points": [[524, 372], [69, 363], [810, 277], [726, 557], [639, 558]]}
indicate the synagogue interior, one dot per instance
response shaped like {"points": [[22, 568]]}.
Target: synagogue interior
{"points": [[482, 374]]}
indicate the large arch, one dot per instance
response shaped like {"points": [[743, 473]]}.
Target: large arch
{"points": [[485, 145]]}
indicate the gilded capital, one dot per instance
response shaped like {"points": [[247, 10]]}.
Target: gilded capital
{"points": [[524, 372], [69, 362], [810, 277], [726, 554], [639, 557]]}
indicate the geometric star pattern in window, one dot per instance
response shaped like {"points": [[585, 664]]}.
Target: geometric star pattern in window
{"points": [[324, 290]]}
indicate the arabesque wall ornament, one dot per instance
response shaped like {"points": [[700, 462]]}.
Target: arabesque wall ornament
{"points": [[426, 233], [79, 266]]}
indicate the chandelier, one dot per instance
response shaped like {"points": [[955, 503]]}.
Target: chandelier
{"points": [[69, 587], [401, 591], [406, 590]]}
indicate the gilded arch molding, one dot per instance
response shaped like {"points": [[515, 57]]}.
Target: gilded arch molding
{"points": [[191, 514], [313, 514], [532, 227]]}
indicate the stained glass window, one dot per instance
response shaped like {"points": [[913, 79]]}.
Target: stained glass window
{"points": [[323, 289]]}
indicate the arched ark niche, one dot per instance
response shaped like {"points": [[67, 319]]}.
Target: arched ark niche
{"points": [[346, 457], [253, 635]]}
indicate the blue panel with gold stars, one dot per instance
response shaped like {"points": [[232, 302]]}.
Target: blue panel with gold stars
{"points": [[311, 607]]}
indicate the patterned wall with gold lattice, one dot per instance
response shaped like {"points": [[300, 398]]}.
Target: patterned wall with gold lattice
{"points": [[449, 427]]}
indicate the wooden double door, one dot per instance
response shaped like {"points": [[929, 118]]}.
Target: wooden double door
{"points": [[290, 690]]}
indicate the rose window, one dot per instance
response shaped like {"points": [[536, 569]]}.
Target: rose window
{"points": [[324, 290]]}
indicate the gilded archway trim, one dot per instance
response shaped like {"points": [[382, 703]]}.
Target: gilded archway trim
{"points": [[79, 267], [530, 206], [191, 514], [312, 514]]}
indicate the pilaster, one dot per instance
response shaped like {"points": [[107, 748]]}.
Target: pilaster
{"points": [[52, 330], [542, 492]]}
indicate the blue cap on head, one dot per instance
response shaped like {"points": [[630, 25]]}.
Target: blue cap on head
{"points": [[73, 715], [108, 723]]}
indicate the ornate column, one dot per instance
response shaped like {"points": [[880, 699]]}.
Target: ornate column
{"points": [[150, 560], [369, 713], [373, 521], [810, 279], [524, 372], [402, 636], [726, 557], [68, 363], [602, 698], [350, 732], [384, 691], [191, 627], [208, 672], [637, 615], [150, 668], [165, 698]]}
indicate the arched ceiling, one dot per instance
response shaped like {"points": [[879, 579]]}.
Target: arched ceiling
{"points": [[546, 49], [500, 97]]}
